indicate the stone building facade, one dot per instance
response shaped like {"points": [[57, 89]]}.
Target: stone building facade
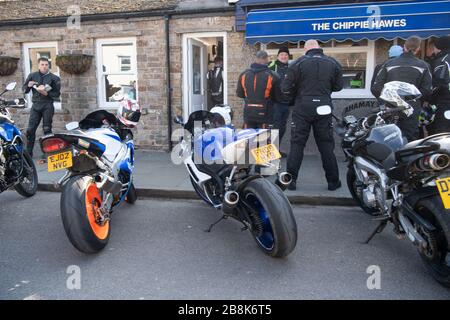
{"points": [[145, 21], [80, 92]]}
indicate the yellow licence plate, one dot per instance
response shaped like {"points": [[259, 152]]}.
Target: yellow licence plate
{"points": [[265, 154], [59, 161], [443, 186]]}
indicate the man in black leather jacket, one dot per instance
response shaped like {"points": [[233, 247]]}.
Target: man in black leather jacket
{"points": [[440, 68], [46, 89], [407, 68], [310, 80], [280, 110]]}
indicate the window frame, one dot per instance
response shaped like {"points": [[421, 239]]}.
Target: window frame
{"points": [[26, 46], [369, 49], [101, 94]]}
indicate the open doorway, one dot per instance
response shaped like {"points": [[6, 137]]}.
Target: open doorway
{"points": [[200, 91]]}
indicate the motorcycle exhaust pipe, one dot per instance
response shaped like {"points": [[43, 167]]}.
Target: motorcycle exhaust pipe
{"points": [[437, 161], [107, 184], [230, 201], [284, 180]]}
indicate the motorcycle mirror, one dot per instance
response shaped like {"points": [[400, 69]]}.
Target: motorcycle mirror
{"points": [[11, 86], [72, 125], [447, 114], [323, 110]]}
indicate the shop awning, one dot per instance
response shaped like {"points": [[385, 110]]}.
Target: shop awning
{"points": [[388, 20]]}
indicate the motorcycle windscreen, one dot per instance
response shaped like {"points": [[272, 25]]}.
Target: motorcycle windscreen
{"points": [[97, 119]]}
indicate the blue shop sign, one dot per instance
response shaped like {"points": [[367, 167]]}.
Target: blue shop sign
{"points": [[374, 20]]}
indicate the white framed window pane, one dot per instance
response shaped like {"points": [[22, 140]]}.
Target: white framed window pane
{"points": [[47, 52], [32, 51], [118, 86], [113, 54], [116, 69]]}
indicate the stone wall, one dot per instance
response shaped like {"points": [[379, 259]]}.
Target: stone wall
{"points": [[79, 92]]}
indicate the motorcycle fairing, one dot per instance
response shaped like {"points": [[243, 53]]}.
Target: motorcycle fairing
{"points": [[8, 131]]}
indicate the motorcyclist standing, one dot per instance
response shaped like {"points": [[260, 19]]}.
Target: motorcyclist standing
{"points": [[310, 80], [407, 68], [46, 88], [260, 88], [440, 68], [281, 109]]}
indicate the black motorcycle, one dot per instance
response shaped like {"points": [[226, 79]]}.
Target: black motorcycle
{"points": [[17, 169], [405, 184]]}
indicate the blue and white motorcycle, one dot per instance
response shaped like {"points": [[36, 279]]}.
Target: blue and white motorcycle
{"points": [[17, 169], [98, 154], [227, 169]]}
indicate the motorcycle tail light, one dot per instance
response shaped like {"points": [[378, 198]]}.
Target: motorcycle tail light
{"points": [[54, 144]]}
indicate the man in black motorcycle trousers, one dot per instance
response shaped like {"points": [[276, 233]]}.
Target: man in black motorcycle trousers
{"points": [[407, 68], [310, 80], [440, 68], [46, 89]]}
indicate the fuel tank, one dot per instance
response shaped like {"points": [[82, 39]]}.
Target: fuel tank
{"points": [[380, 144]]}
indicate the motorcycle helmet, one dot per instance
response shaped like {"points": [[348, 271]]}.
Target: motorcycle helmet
{"points": [[129, 113], [398, 94], [222, 115]]}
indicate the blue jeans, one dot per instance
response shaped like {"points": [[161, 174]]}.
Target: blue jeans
{"points": [[280, 117]]}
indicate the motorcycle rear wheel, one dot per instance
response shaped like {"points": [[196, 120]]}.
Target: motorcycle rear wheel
{"points": [[80, 200], [279, 228], [437, 263]]}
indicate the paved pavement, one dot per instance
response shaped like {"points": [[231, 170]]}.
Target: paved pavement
{"points": [[158, 250], [156, 175]]}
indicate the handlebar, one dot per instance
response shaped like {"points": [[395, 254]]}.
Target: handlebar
{"points": [[19, 103]]}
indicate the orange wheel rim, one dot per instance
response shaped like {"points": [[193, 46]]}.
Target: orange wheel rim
{"points": [[93, 202]]}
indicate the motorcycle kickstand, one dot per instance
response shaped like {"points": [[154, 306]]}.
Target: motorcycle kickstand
{"points": [[378, 229], [224, 217]]}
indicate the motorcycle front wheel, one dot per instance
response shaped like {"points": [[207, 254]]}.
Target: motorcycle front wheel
{"points": [[80, 202], [437, 256], [273, 223], [28, 183]]}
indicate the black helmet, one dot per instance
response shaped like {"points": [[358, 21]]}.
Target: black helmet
{"points": [[442, 43]]}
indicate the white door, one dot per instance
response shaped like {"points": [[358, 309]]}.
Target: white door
{"points": [[197, 69]]}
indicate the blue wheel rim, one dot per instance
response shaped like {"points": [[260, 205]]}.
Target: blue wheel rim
{"points": [[266, 240]]}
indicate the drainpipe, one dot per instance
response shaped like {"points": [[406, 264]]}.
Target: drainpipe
{"points": [[169, 83]]}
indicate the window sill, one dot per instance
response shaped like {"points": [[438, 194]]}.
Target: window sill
{"points": [[57, 111], [352, 95]]}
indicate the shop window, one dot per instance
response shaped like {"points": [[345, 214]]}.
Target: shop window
{"points": [[357, 60], [32, 51], [116, 71]]}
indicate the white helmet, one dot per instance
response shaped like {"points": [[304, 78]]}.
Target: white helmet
{"points": [[224, 112], [129, 112]]}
